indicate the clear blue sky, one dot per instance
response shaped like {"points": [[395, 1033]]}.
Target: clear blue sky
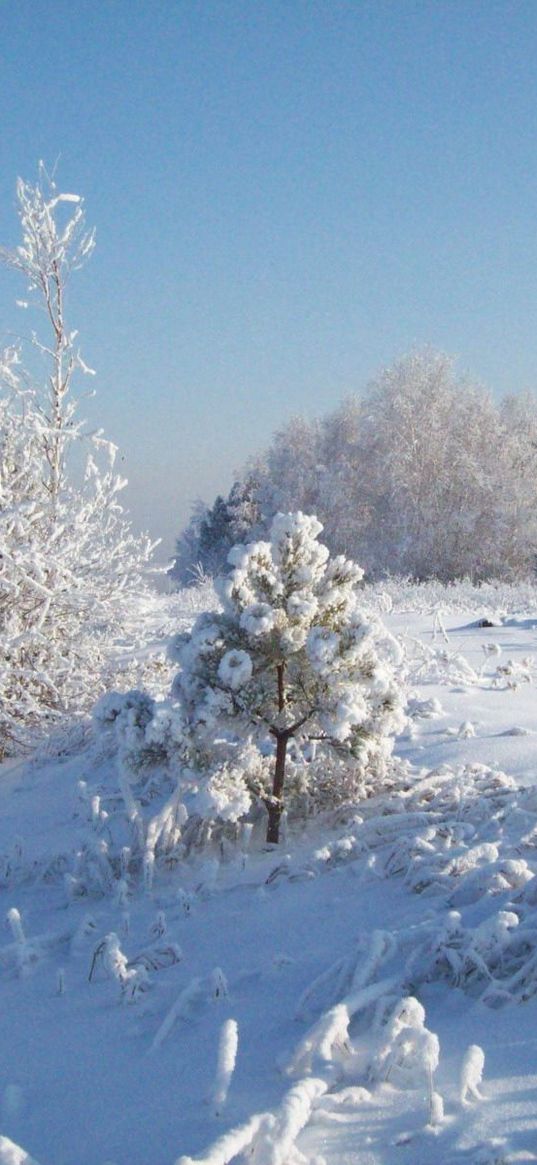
{"points": [[288, 195]]}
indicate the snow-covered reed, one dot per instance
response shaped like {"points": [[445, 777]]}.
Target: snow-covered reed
{"points": [[179, 1010], [228, 1147], [227, 1055], [472, 1068], [491, 598], [25, 953], [275, 1140], [409, 1053], [268, 1137], [133, 980], [328, 1039]]}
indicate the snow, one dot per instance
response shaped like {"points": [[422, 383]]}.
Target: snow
{"points": [[235, 669], [370, 965]]}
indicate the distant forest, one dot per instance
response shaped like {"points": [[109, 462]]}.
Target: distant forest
{"points": [[422, 475]]}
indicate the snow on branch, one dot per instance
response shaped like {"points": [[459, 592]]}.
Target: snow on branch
{"points": [[12, 1154]]}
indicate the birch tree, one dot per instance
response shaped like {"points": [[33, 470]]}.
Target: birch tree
{"points": [[69, 563]]}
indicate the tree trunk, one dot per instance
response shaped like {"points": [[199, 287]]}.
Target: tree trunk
{"points": [[275, 807]]}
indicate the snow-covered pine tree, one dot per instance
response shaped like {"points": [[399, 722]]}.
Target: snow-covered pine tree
{"points": [[69, 564], [204, 545], [290, 658], [187, 567]]}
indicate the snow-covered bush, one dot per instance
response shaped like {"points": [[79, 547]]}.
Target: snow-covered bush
{"points": [[145, 732], [408, 1054], [70, 567], [290, 668], [407, 1047]]}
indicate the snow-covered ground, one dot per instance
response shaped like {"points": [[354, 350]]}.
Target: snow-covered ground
{"points": [[423, 893]]}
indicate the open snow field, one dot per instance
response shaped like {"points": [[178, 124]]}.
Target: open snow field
{"points": [[109, 1052]]}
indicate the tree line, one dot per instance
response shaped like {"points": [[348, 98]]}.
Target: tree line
{"points": [[423, 475]]}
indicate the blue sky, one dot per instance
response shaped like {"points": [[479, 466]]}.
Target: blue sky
{"points": [[287, 196]]}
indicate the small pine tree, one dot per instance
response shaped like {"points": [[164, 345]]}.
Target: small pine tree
{"points": [[291, 657]]}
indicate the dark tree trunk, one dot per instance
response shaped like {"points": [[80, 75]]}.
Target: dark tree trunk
{"points": [[275, 807]]}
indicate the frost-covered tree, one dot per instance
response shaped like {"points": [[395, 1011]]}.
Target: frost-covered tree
{"points": [[186, 565], [426, 445], [289, 659], [517, 492], [204, 545], [289, 474], [69, 564], [422, 475]]}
